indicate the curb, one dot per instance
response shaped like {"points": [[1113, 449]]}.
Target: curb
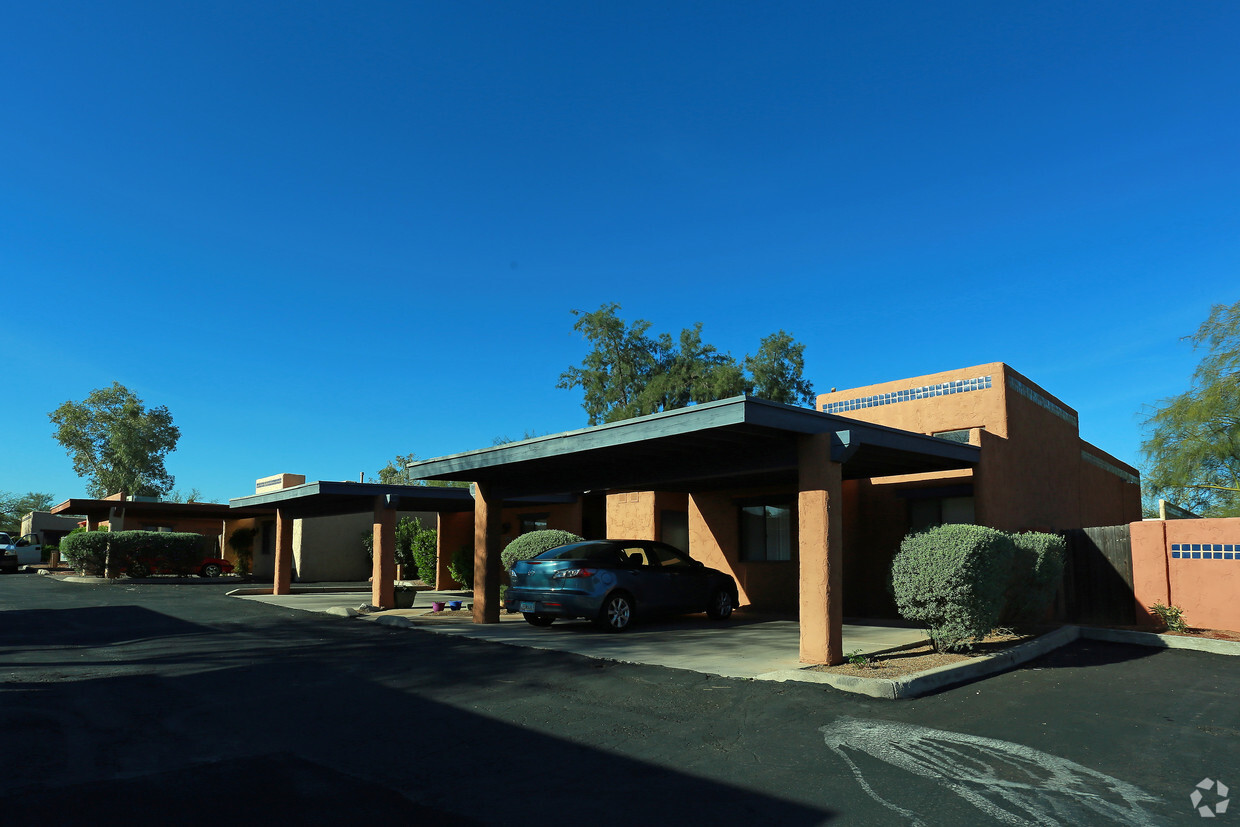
{"points": [[1160, 641], [923, 683]]}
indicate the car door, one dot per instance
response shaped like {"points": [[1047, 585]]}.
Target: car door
{"points": [[683, 583], [29, 550]]}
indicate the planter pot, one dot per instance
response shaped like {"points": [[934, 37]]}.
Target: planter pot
{"points": [[436, 607], [404, 598]]}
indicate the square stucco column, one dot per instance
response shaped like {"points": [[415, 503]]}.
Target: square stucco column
{"points": [[487, 566], [284, 553], [383, 571], [821, 547]]}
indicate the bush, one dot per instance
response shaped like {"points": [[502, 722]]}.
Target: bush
{"points": [[461, 567], [535, 543], [1036, 571], [953, 578], [422, 544], [141, 552], [86, 551], [1171, 617]]}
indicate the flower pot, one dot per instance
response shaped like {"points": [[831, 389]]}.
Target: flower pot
{"points": [[436, 607]]}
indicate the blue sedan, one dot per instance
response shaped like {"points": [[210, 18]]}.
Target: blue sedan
{"points": [[612, 581]]}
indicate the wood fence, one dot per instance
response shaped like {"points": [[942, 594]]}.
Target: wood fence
{"points": [[1098, 576]]}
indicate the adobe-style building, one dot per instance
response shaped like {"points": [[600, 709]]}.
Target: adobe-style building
{"points": [[805, 508]]}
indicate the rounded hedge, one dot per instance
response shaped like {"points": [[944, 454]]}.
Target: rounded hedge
{"points": [[535, 543], [953, 578]]}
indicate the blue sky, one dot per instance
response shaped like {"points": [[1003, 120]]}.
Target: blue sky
{"points": [[326, 233]]}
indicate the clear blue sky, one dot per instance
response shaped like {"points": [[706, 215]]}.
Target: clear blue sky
{"points": [[326, 233]]}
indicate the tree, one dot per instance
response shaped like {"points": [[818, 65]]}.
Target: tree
{"points": [[628, 373], [1192, 447], [13, 508], [776, 369], [116, 443], [396, 472], [179, 496]]}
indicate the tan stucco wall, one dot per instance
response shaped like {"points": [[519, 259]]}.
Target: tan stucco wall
{"points": [[1205, 589], [631, 515], [330, 548], [714, 525]]}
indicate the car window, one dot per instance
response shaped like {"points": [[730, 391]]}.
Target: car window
{"points": [[601, 553], [4, 539], [637, 556], [670, 558]]}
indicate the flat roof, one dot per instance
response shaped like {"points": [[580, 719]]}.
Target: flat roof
{"points": [[326, 498], [738, 441], [100, 509]]}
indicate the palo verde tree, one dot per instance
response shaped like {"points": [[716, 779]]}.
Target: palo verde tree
{"points": [[628, 372], [116, 443], [1192, 445], [396, 472]]}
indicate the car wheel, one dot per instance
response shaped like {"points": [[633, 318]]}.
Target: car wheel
{"points": [[617, 613], [721, 605], [538, 620], [211, 570]]}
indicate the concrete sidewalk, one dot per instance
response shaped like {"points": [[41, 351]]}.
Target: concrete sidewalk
{"points": [[744, 646]]}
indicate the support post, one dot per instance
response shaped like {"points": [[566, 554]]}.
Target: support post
{"points": [[487, 566], [284, 553], [383, 572], [820, 524]]}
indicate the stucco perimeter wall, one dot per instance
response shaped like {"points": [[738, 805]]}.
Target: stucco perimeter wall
{"points": [[714, 526], [1204, 587]]}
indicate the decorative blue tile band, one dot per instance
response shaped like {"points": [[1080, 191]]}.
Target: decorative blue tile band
{"points": [[1205, 551], [1029, 393], [978, 383], [1126, 476]]}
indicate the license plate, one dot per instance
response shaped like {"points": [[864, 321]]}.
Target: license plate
{"points": [[527, 606]]}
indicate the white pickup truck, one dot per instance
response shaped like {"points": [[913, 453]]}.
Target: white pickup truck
{"points": [[20, 552]]}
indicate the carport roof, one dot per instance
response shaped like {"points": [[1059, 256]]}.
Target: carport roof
{"points": [[101, 509], [327, 498], [732, 442]]}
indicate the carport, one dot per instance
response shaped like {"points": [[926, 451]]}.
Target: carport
{"points": [[736, 443], [328, 498]]}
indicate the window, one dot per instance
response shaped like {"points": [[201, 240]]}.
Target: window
{"points": [[164, 528], [532, 522], [936, 511], [766, 532]]}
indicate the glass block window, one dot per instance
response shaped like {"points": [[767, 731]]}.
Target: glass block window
{"points": [[977, 383]]}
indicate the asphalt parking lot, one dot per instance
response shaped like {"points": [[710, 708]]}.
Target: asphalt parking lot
{"points": [[177, 704]]}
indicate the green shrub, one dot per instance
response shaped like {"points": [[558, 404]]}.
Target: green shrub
{"points": [[535, 543], [953, 578], [1171, 617], [1037, 567], [422, 544], [86, 551], [461, 567], [141, 552]]}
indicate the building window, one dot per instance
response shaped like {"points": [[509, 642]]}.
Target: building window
{"points": [[163, 528], [766, 531], [936, 511], [533, 522]]}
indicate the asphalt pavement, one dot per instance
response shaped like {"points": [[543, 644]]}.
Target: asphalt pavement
{"points": [[175, 704]]}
